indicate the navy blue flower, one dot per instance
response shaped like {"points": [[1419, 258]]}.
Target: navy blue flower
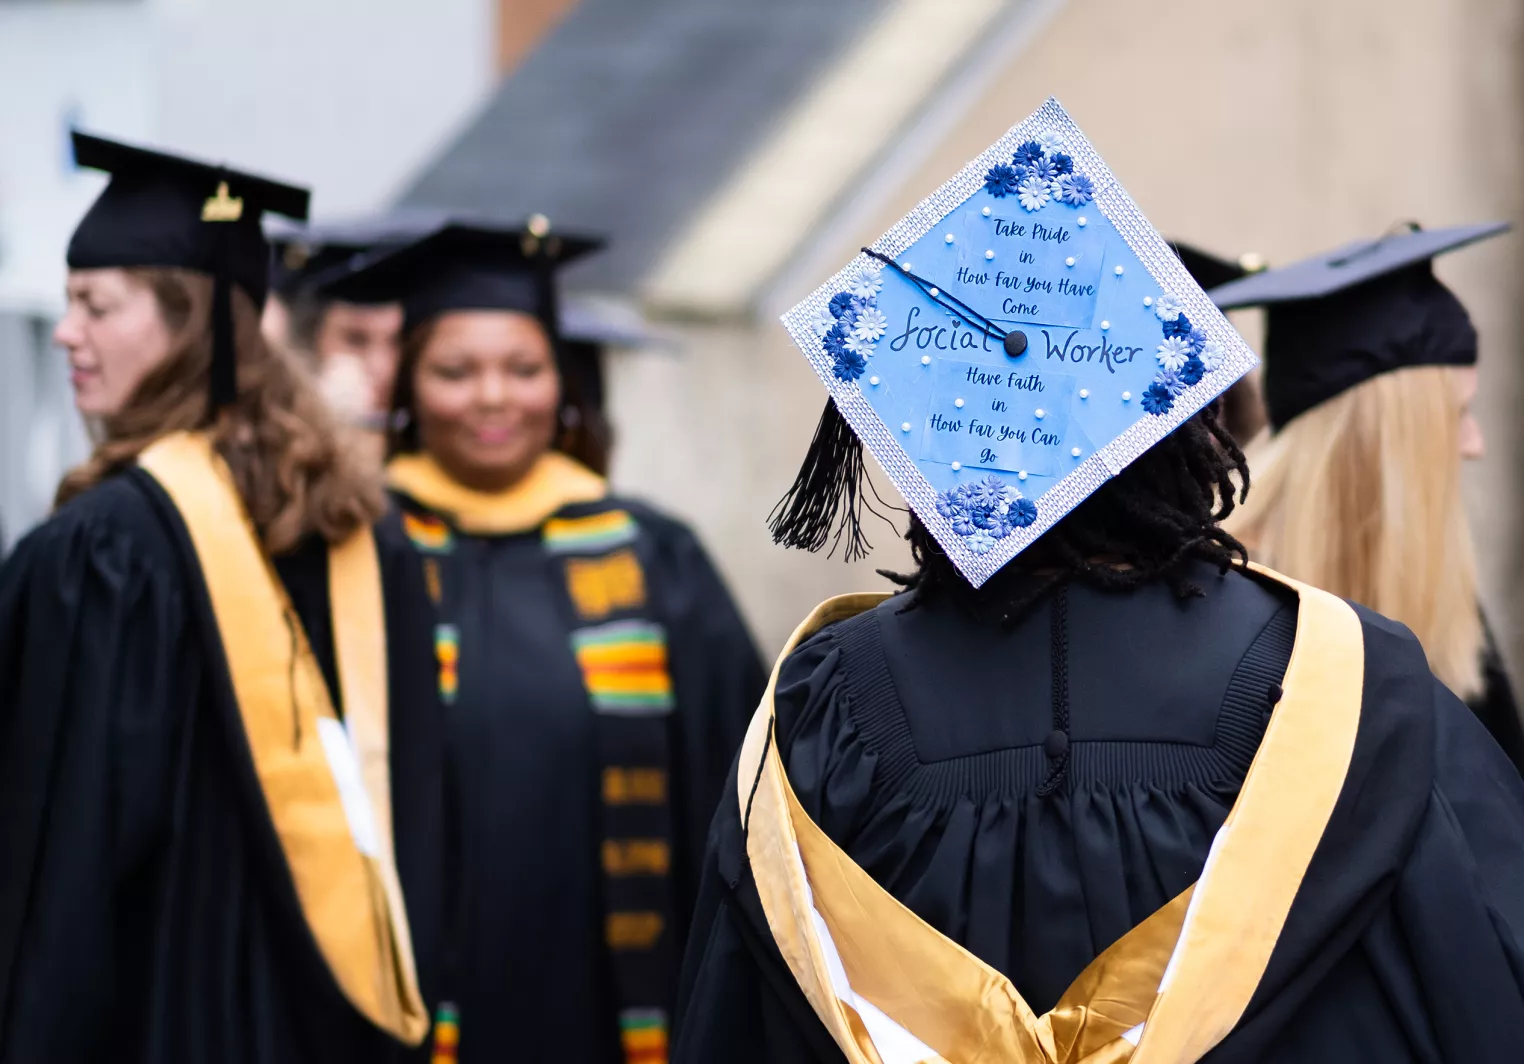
{"points": [[841, 303], [1000, 527], [1000, 181], [1027, 154], [962, 525], [835, 341], [1157, 400], [948, 505], [1192, 372], [1045, 171], [1075, 189], [1023, 512], [849, 366], [1179, 326], [1064, 164]]}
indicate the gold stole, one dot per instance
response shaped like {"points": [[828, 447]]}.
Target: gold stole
{"points": [[334, 830], [1166, 993], [553, 482]]}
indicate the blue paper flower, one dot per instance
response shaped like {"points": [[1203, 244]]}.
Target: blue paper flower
{"points": [[825, 322], [858, 346], [869, 280], [1034, 193], [1075, 189], [1173, 352], [870, 323], [1050, 140], [1045, 170], [948, 505], [1198, 339], [1167, 307], [1192, 372], [849, 365], [1179, 325], [841, 304], [962, 524], [1023, 512], [1064, 164], [1027, 154], [1210, 354], [1157, 399], [1171, 381], [981, 542], [987, 493], [1001, 181], [835, 341]]}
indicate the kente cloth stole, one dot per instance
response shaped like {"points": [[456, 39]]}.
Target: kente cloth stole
{"points": [[622, 654], [326, 783], [891, 989]]}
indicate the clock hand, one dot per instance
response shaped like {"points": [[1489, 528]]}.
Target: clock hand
{"points": [[1014, 342]]}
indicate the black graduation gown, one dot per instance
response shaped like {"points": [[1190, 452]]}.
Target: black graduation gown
{"points": [[1406, 937], [509, 926], [1496, 708], [146, 910]]}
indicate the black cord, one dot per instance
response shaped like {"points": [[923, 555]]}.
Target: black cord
{"points": [[941, 298], [1060, 736]]}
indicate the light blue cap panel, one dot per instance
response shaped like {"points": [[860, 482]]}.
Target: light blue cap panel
{"points": [[1034, 240]]}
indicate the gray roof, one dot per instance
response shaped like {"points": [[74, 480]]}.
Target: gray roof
{"points": [[630, 115]]}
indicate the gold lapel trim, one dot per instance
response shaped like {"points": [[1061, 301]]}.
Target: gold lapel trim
{"points": [[554, 482], [351, 899], [1166, 993]]}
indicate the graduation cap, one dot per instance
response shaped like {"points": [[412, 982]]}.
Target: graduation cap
{"points": [[1370, 307], [466, 266], [1209, 270], [301, 255], [167, 210], [1002, 351]]}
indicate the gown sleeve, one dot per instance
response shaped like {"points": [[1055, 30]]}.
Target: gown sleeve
{"points": [[89, 684], [717, 678]]}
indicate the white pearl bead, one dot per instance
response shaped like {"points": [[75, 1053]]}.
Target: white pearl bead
{"points": [[1148, 301], [1126, 397], [873, 381], [949, 238], [1021, 475], [925, 360], [1081, 221], [1038, 413], [1084, 392], [1105, 325], [935, 292], [1069, 261], [989, 254], [985, 212], [905, 266], [905, 426], [1120, 271], [1075, 452], [958, 403], [957, 466]]}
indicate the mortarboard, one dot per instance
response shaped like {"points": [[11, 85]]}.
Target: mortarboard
{"points": [[466, 266], [302, 254], [1008, 346], [1209, 270], [1370, 307], [170, 211]]}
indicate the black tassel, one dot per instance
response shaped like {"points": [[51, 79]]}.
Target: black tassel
{"points": [[827, 499], [224, 356]]}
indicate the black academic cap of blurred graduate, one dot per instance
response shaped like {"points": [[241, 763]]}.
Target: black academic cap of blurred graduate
{"points": [[466, 266], [169, 211], [1209, 270], [1340, 318], [302, 254]]}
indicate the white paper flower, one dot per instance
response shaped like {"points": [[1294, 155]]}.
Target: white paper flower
{"points": [[869, 280], [1173, 353], [981, 542], [859, 345], [825, 322], [870, 324], [1210, 355], [1168, 308], [1051, 141], [1034, 193]]}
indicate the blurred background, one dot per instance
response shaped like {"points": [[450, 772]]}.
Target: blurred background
{"points": [[736, 154]]}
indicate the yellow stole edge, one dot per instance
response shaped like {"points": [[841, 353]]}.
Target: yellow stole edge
{"points": [[555, 481], [1231, 925], [352, 902]]}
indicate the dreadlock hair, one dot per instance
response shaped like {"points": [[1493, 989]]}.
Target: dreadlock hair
{"points": [[1145, 524]]}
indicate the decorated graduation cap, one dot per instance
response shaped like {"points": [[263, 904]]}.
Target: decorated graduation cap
{"points": [[170, 211], [466, 266], [302, 255], [1007, 347], [1370, 307]]}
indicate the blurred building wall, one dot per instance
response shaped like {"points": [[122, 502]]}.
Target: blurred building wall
{"points": [[1278, 126]]}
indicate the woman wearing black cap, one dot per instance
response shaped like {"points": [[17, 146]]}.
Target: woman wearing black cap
{"points": [[195, 858], [596, 675], [1370, 373]]}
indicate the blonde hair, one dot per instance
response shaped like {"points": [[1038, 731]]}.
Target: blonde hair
{"points": [[1361, 496], [297, 471]]}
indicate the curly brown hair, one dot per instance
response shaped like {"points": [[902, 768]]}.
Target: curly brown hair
{"points": [[297, 469]]}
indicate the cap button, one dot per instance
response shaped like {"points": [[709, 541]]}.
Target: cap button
{"points": [[1055, 745], [1015, 343]]}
